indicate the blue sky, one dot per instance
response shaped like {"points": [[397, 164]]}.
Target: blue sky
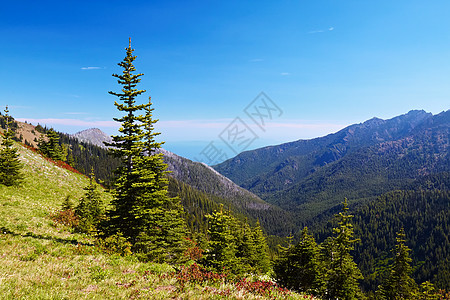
{"points": [[324, 64]]}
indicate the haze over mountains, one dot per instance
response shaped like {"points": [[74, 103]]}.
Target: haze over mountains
{"points": [[358, 162]]}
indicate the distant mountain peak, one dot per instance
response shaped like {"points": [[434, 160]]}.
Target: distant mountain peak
{"points": [[93, 136], [373, 122]]}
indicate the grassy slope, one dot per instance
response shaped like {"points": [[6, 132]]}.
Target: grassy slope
{"points": [[41, 260]]}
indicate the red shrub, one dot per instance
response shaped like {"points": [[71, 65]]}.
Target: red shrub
{"points": [[263, 288], [197, 274], [66, 217], [193, 251]]}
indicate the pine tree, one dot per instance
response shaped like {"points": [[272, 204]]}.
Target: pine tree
{"points": [[127, 147], [67, 203], [142, 210], [399, 284], [51, 148], [90, 209], [427, 291], [299, 267], [342, 272], [262, 261], [70, 160], [246, 248], [162, 229], [10, 166], [222, 246]]}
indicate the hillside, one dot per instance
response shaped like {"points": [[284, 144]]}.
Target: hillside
{"points": [[222, 190], [208, 185], [42, 259], [359, 162]]}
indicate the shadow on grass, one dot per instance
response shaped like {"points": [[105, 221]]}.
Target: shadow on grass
{"points": [[5, 230]]}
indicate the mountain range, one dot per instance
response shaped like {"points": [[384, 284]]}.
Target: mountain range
{"points": [[360, 162], [306, 180]]}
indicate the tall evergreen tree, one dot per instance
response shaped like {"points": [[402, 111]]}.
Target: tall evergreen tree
{"points": [[399, 284], [127, 147], [299, 267], [10, 166], [142, 210], [162, 228], [342, 272]]}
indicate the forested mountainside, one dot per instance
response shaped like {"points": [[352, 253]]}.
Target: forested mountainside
{"points": [[359, 162], [206, 180], [423, 210]]}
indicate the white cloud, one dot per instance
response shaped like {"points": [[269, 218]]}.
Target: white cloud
{"points": [[75, 113], [285, 74], [70, 122], [91, 68], [331, 28], [256, 60], [204, 129]]}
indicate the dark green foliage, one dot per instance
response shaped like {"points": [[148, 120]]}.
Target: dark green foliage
{"points": [[51, 147], [427, 291], [425, 216], [342, 273], [40, 129], [70, 160], [7, 121], [67, 203], [196, 205], [222, 246], [234, 247], [246, 247], [399, 284], [163, 227], [128, 147], [261, 262], [299, 267], [91, 209], [202, 178], [10, 166], [141, 208]]}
